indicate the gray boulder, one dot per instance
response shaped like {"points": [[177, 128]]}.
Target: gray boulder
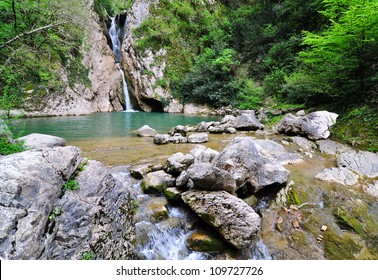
{"points": [[183, 130], [278, 152], [230, 216], [161, 139], [304, 143], [37, 141], [314, 126], [198, 138], [157, 182], [178, 162], [247, 162], [338, 175], [207, 177], [177, 138], [331, 147], [362, 162], [146, 131], [203, 154], [247, 122]]}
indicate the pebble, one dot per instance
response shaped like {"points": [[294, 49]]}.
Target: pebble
{"points": [[295, 224], [323, 228]]}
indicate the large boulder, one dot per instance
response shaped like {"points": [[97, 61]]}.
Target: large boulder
{"points": [[146, 131], [362, 162], [244, 158], [278, 152], [314, 126], [40, 219], [208, 177], [161, 139], [247, 122], [36, 141], [157, 182], [331, 147], [338, 175], [198, 138], [178, 162], [203, 154], [230, 216]]}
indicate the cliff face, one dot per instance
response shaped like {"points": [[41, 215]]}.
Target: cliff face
{"points": [[146, 69], [103, 92]]}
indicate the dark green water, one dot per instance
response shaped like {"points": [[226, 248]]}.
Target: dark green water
{"points": [[104, 125]]}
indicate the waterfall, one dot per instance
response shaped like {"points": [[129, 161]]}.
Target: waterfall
{"points": [[128, 106], [116, 34]]}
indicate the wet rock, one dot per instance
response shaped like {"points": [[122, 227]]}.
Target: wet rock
{"points": [[198, 138], [138, 171], [338, 175], [362, 162], [331, 147], [244, 158], [247, 122], [178, 162], [173, 194], [36, 141], [157, 209], [161, 139], [314, 126], [146, 131], [208, 177], [157, 182], [203, 154], [233, 219], [204, 241]]}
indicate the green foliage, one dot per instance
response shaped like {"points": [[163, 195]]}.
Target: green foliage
{"points": [[105, 8], [249, 96], [71, 185], [7, 148], [88, 256], [56, 212]]}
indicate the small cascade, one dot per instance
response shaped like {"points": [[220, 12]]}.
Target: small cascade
{"points": [[128, 106], [116, 34]]}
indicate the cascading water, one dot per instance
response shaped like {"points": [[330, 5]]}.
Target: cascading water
{"points": [[116, 33]]}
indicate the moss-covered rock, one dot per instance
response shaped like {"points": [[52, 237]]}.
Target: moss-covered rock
{"points": [[337, 247], [204, 241]]}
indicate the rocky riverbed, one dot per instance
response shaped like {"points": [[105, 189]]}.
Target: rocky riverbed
{"points": [[296, 196]]}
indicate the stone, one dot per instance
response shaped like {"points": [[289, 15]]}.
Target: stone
{"points": [[203, 154], [246, 161], [338, 175], [195, 109], [178, 162], [146, 131], [230, 216], [161, 139], [295, 224], [37, 141], [183, 130], [204, 126], [371, 189], [331, 147], [278, 152], [247, 122], [96, 217], [314, 126], [198, 138], [323, 228], [157, 209], [177, 138], [361, 162], [228, 119], [208, 177], [204, 241], [157, 182], [182, 179], [173, 194], [304, 143]]}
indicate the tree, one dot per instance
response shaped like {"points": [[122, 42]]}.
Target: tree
{"points": [[343, 58]]}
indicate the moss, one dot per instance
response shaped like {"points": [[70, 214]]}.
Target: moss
{"points": [[298, 239], [346, 220], [204, 241], [293, 197], [339, 248]]}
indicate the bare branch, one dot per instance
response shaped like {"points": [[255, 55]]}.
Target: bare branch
{"points": [[31, 32]]}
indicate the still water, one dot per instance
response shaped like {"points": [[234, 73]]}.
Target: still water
{"points": [[111, 137]]}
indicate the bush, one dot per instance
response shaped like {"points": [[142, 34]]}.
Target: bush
{"points": [[249, 96], [7, 148]]}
